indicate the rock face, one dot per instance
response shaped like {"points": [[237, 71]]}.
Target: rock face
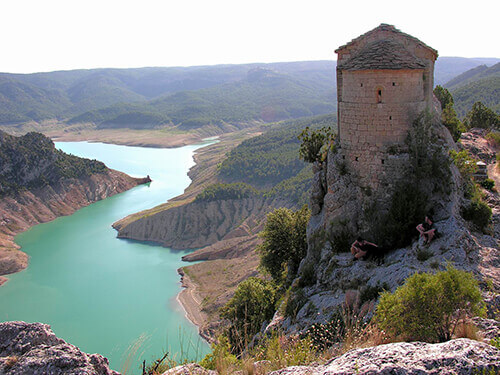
{"points": [[32, 348], [461, 356], [30, 207], [39, 183], [199, 224]]}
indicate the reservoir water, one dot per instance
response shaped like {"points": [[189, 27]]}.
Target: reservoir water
{"points": [[103, 294]]}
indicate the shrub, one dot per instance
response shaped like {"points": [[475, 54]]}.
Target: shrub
{"points": [[215, 192], [465, 163], [423, 254], [308, 275], [478, 212], [488, 184], [324, 336], [408, 208], [220, 358], [339, 237], [253, 303], [285, 243], [494, 138], [295, 301], [444, 96], [315, 143], [428, 307], [371, 292], [481, 116], [283, 351]]}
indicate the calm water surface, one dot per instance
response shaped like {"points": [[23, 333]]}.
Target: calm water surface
{"points": [[106, 295]]}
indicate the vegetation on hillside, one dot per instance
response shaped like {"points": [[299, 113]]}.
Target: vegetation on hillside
{"points": [[429, 307], [188, 97], [284, 243], [270, 162], [217, 192], [481, 83], [32, 161]]}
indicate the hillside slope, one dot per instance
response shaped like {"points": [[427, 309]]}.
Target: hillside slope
{"points": [[478, 84], [39, 183]]}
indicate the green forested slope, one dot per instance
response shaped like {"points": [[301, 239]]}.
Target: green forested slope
{"points": [[270, 162], [481, 84], [32, 161]]}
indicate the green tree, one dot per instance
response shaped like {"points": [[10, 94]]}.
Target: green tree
{"points": [[481, 116], [253, 303], [428, 307], [451, 121], [444, 96], [285, 243], [315, 144]]}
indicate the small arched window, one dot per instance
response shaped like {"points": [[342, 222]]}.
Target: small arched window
{"points": [[379, 95]]}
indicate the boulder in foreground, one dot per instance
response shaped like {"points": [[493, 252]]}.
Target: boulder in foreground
{"points": [[32, 348]]}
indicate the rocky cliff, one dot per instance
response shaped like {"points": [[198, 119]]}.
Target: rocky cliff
{"points": [[198, 224], [39, 183], [461, 356], [340, 206], [32, 348]]}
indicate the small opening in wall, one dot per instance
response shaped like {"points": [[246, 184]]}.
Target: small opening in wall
{"points": [[379, 96], [343, 157], [394, 83], [390, 117], [382, 161], [361, 85], [357, 159]]}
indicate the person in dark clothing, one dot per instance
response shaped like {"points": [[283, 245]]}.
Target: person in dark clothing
{"points": [[426, 230], [360, 248]]}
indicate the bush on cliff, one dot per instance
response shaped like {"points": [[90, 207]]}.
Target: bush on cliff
{"points": [[238, 190], [429, 307], [285, 243], [253, 303]]}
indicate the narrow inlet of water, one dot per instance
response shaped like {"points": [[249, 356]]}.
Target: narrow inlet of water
{"points": [[103, 294]]}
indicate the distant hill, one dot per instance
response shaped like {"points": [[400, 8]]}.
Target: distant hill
{"points": [[263, 94], [187, 97], [447, 68], [481, 83]]}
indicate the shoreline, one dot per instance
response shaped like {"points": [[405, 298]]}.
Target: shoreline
{"points": [[191, 305], [24, 211]]}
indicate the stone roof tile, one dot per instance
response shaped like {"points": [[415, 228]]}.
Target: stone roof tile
{"points": [[383, 54], [390, 28]]}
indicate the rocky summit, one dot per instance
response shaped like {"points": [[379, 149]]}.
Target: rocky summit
{"points": [[460, 356], [32, 348]]}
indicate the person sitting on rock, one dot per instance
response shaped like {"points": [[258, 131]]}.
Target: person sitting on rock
{"points": [[426, 231], [361, 248]]}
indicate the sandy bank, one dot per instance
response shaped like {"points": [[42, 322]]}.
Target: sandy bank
{"points": [[190, 301]]}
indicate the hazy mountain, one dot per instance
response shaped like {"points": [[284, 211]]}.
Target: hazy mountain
{"points": [[185, 96], [481, 83]]}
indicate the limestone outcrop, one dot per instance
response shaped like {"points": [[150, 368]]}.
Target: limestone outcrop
{"points": [[461, 356], [30, 207], [199, 224], [32, 348]]}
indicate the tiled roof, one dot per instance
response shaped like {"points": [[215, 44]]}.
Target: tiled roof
{"points": [[383, 54], [385, 27]]}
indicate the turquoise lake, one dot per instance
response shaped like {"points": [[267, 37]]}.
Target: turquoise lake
{"points": [[103, 294]]}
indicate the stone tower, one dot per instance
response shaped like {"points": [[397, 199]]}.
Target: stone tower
{"points": [[384, 80]]}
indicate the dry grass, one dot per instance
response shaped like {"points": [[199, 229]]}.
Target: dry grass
{"points": [[11, 361]]}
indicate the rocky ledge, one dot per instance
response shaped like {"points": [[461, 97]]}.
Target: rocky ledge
{"points": [[32, 348], [460, 356]]}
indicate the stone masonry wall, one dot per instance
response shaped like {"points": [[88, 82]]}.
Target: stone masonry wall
{"points": [[376, 109]]}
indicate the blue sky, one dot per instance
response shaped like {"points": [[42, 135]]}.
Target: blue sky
{"points": [[69, 34]]}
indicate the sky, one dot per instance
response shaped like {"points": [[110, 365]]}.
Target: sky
{"points": [[47, 35]]}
